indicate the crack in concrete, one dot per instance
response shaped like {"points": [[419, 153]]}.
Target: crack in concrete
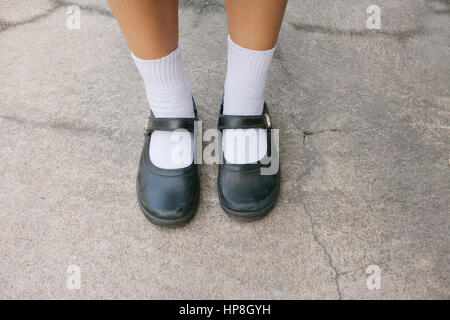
{"points": [[325, 250], [279, 56], [100, 11], [442, 11], [307, 133], [63, 126], [445, 3], [4, 24], [201, 8], [308, 213], [57, 4], [401, 36]]}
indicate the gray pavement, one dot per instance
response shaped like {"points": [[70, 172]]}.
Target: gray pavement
{"points": [[364, 118]]}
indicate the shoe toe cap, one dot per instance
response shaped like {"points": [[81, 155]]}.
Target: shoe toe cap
{"points": [[247, 192], [169, 200]]}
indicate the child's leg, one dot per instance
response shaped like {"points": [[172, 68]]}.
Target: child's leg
{"points": [[151, 30], [149, 26], [253, 27]]}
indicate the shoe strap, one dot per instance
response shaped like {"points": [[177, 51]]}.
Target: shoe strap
{"points": [[245, 122], [170, 124]]}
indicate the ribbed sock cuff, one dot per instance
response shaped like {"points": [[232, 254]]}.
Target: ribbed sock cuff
{"points": [[162, 74], [252, 65], [166, 84], [246, 79]]}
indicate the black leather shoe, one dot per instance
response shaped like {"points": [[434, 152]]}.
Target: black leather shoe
{"points": [[243, 191], [167, 197]]}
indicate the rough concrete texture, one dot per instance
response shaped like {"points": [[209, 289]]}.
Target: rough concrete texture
{"points": [[364, 118]]}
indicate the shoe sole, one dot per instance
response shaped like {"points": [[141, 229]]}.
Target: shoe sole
{"points": [[172, 223]]}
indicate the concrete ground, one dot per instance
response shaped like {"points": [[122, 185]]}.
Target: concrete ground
{"points": [[365, 150]]}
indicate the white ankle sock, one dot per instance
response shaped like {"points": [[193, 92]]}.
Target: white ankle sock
{"points": [[244, 95], [169, 96]]}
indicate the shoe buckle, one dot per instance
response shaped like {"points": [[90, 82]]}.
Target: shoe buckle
{"points": [[147, 125], [268, 122]]}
